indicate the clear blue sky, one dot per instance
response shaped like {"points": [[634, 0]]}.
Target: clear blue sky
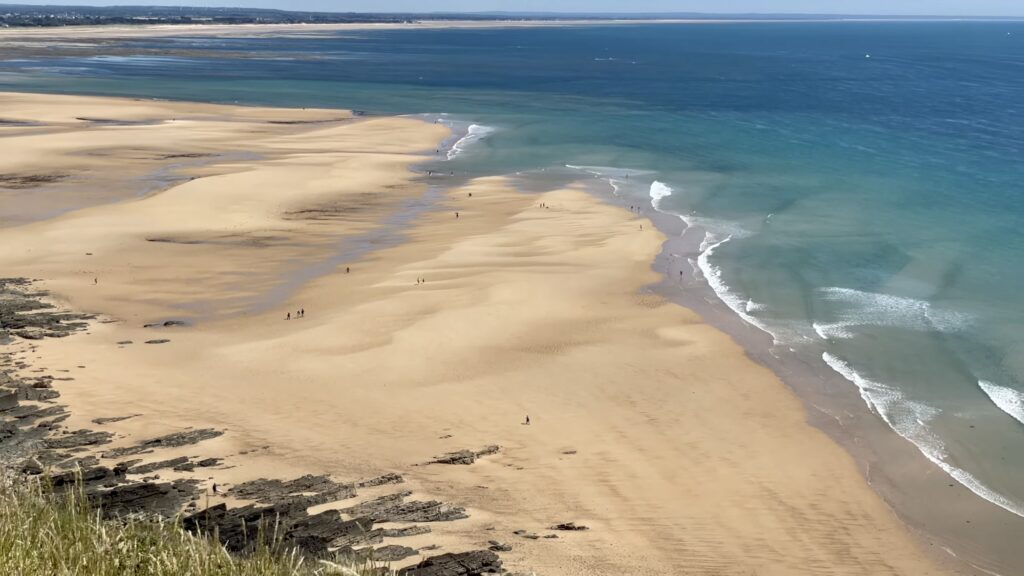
{"points": [[878, 7]]}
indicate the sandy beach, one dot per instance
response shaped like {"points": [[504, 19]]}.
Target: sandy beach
{"points": [[647, 425], [87, 33]]}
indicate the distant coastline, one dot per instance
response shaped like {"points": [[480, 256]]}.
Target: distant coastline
{"points": [[16, 16], [123, 30]]}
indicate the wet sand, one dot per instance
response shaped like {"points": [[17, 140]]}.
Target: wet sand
{"points": [[648, 425]]}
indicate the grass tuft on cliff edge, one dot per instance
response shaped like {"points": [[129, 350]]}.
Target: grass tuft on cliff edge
{"points": [[46, 534]]}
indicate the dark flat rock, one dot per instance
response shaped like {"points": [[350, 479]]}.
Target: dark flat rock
{"points": [[33, 394], [83, 463], [405, 531], [394, 508], [158, 341], [166, 324], [169, 441], [389, 553], [462, 564], [314, 534], [148, 498], [496, 546], [569, 527], [8, 400], [390, 478], [26, 415], [308, 490], [466, 457], [24, 313], [112, 419], [154, 466], [239, 529], [78, 438], [88, 477]]}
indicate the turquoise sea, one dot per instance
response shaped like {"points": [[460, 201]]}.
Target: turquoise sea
{"points": [[856, 190]]}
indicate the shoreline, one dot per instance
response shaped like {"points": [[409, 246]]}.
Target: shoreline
{"points": [[833, 405], [467, 264], [127, 31]]}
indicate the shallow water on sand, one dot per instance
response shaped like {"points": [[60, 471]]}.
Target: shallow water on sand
{"points": [[855, 187]]}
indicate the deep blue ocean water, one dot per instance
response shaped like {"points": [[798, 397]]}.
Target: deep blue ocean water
{"points": [[856, 187]]}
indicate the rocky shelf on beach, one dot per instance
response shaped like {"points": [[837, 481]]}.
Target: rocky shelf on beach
{"points": [[34, 442]]}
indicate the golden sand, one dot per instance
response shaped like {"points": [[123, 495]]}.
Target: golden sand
{"points": [[647, 425]]}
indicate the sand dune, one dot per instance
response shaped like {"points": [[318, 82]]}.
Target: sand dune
{"points": [[648, 426]]}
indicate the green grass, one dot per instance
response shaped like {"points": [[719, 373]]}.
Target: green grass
{"points": [[46, 534]]}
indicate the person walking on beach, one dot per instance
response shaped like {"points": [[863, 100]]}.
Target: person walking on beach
{"points": [[347, 270], [456, 215], [527, 419], [288, 316]]}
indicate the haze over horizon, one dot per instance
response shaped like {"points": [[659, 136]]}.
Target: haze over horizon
{"points": [[975, 8]]}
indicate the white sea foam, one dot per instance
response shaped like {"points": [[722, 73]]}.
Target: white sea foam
{"points": [[617, 178], [474, 133], [910, 420], [716, 234], [659, 191], [1007, 399], [608, 171], [755, 306], [860, 308], [832, 330], [738, 304]]}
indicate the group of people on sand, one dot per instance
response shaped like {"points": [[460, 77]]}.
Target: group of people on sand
{"points": [[636, 210], [300, 313]]}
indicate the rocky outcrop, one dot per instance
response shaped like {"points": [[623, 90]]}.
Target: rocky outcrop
{"points": [[465, 457], [112, 419], [463, 564], [78, 438], [169, 441], [304, 492], [569, 527], [390, 478], [394, 508], [495, 546], [154, 466], [389, 553], [240, 529], [24, 314], [405, 531], [8, 400], [166, 324], [144, 498]]}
